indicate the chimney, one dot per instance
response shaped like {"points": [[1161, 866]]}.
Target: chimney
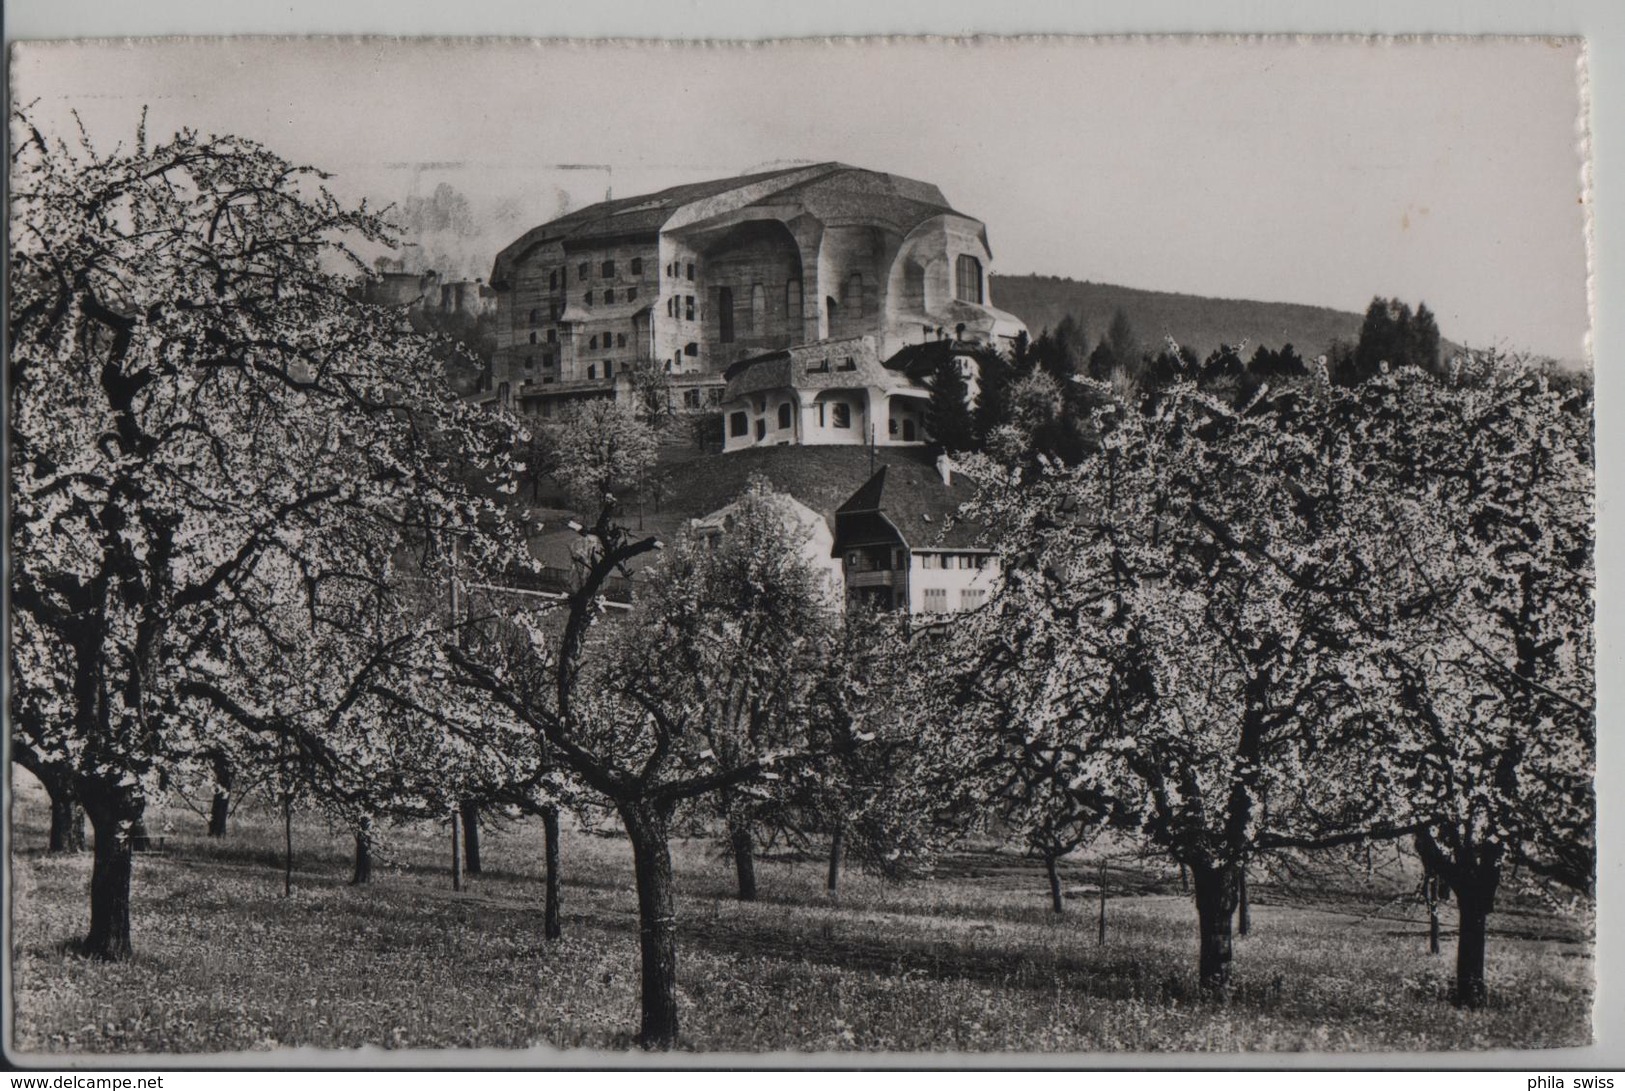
{"points": [[945, 467]]}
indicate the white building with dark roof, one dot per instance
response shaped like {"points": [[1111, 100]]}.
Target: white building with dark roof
{"points": [[904, 544], [695, 278]]}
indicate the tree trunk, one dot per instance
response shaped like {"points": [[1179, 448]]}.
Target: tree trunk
{"points": [[363, 853], [1475, 898], [456, 852], [1056, 901], [1244, 914], [1430, 890], [1217, 892], [647, 825], [220, 807], [742, 844], [67, 824], [1102, 940], [837, 844], [551, 926], [111, 870], [218, 810], [287, 846], [471, 837]]}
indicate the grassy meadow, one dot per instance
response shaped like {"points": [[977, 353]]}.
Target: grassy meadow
{"points": [[971, 959]]}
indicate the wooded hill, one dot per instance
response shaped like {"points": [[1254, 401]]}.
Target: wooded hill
{"points": [[1199, 322]]}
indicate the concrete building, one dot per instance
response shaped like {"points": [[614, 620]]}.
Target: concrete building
{"points": [[695, 278], [903, 545], [839, 392], [826, 392]]}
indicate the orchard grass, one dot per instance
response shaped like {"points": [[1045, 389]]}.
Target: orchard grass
{"points": [[972, 959]]}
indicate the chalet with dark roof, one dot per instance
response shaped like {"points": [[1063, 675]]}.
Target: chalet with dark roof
{"points": [[905, 544]]}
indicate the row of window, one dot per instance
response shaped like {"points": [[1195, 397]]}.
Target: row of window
{"points": [[953, 560], [898, 559], [967, 286], [839, 415], [630, 295], [821, 367], [560, 278], [936, 599]]}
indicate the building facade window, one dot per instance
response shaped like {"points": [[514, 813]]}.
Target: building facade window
{"points": [[637, 267], [929, 560], [609, 268], [936, 600], [842, 414], [592, 342], [620, 340], [533, 337], [972, 598], [583, 270], [792, 302], [968, 279], [691, 399], [761, 429], [588, 297], [609, 369], [553, 281], [691, 349], [552, 336], [688, 307], [503, 393], [784, 414], [631, 294], [609, 295], [533, 316], [725, 314], [530, 362], [738, 424], [592, 371], [691, 270]]}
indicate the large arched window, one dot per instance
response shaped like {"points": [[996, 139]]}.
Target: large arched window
{"points": [[784, 415], [968, 279]]}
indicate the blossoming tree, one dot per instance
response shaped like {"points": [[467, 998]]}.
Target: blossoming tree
{"points": [[210, 438]]}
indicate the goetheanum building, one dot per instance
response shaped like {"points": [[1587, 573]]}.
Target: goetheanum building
{"points": [[695, 278]]}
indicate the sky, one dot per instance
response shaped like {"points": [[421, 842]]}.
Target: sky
{"points": [[1321, 172]]}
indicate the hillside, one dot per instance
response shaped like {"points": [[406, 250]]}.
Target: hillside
{"points": [[1200, 322]]}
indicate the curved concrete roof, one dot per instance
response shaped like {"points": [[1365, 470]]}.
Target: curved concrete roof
{"points": [[835, 193]]}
